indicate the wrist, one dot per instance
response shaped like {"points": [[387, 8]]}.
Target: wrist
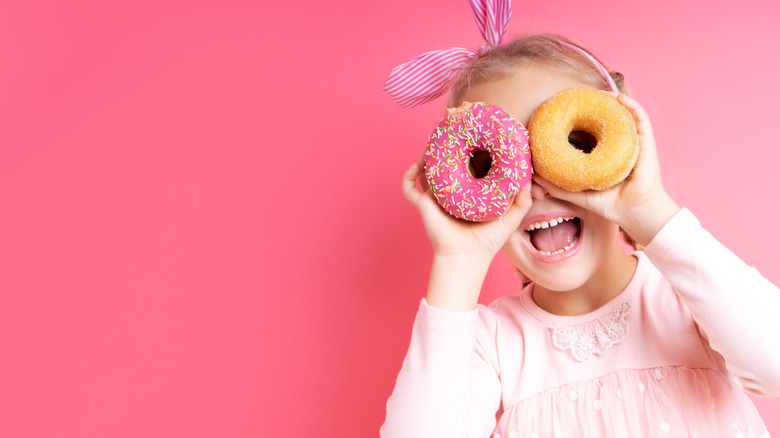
{"points": [[646, 220], [456, 281]]}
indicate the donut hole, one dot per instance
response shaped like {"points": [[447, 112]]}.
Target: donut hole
{"points": [[583, 141], [480, 163]]}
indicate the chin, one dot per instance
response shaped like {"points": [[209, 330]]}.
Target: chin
{"points": [[560, 282], [561, 247], [563, 272]]}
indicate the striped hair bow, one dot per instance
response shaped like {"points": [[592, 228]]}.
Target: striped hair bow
{"points": [[427, 76]]}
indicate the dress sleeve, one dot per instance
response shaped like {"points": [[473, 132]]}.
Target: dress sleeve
{"points": [[448, 385], [736, 309]]}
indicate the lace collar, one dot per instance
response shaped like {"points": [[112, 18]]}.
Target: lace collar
{"points": [[596, 332], [593, 337]]}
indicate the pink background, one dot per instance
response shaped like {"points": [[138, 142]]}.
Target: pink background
{"points": [[202, 230]]}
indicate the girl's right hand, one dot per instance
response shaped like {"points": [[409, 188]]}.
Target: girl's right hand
{"points": [[455, 237], [462, 250]]}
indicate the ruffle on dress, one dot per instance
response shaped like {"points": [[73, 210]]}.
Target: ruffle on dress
{"points": [[656, 402], [593, 337]]}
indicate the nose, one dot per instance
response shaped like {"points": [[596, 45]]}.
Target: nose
{"points": [[537, 191]]}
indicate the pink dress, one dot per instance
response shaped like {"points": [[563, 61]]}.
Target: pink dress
{"points": [[669, 356]]}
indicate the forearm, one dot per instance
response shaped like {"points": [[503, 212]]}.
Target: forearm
{"points": [[644, 221], [445, 386], [734, 306], [456, 281]]}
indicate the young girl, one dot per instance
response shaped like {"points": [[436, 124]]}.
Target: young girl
{"points": [[600, 343]]}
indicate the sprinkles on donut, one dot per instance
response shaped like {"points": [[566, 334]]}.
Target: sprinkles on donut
{"points": [[463, 192]]}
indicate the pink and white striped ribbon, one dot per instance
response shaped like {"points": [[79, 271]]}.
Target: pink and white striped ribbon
{"points": [[427, 76], [492, 18]]}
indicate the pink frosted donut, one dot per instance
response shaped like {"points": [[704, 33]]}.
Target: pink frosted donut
{"points": [[466, 130]]}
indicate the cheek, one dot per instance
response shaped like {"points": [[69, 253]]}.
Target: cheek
{"points": [[514, 248], [604, 234]]}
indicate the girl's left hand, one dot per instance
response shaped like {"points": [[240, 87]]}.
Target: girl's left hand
{"points": [[640, 205]]}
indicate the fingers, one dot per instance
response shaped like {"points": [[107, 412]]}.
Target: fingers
{"points": [[557, 192], [597, 201], [421, 199], [423, 181], [520, 206], [647, 167], [644, 129], [408, 184], [641, 118]]}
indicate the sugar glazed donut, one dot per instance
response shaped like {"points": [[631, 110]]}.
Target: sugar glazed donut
{"points": [[583, 139], [461, 185]]}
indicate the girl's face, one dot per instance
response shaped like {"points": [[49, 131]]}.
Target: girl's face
{"points": [[582, 252]]}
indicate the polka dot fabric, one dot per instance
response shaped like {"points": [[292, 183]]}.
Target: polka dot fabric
{"points": [[501, 370], [636, 403]]}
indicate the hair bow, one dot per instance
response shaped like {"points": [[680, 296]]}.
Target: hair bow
{"points": [[427, 76]]}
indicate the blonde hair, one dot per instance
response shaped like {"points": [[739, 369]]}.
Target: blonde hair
{"points": [[546, 49]]}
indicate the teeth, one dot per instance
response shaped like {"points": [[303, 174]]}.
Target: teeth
{"points": [[551, 223], [562, 250]]}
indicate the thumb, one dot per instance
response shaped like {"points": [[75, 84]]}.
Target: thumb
{"points": [[601, 202], [576, 198], [516, 212]]}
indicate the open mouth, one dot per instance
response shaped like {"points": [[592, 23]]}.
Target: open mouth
{"points": [[555, 236]]}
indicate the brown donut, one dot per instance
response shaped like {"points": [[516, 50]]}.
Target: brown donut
{"points": [[583, 139]]}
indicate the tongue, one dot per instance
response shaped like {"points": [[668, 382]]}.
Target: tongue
{"points": [[555, 238]]}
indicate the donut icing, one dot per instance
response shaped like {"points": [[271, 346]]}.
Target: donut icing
{"points": [[466, 129], [592, 111]]}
